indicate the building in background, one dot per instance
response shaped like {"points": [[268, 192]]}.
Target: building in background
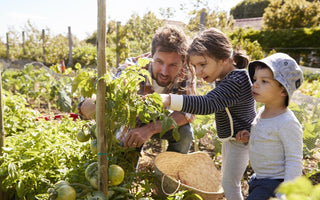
{"points": [[255, 23]]}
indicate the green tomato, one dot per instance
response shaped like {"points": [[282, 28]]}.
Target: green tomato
{"points": [[94, 146], [93, 130], [115, 174], [91, 174], [66, 192], [82, 137], [60, 183]]}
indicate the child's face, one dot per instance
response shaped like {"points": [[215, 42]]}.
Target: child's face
{"points": [[266, 89], [207, 68]]}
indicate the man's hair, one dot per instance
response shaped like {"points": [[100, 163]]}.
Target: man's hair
{"points": [[170, 39]]}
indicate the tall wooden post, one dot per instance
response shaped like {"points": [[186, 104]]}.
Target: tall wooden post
{"points": [[70, 62], [8, 46], [43, 49], [1, 117], [202, 21], [3, 194], [117, 47], [23, 49], [100, 101]]}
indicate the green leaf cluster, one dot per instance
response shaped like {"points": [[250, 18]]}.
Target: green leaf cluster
{"points": [[300, 188], [249, 9], [38, 153], [124, 107], [40, 86], [282, 14]]}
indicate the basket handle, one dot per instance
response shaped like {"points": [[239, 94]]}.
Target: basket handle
{"points": [[162, 180]]}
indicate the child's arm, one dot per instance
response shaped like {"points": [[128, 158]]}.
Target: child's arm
{"points": [[291, 138], [243, 136], [166, 100]]}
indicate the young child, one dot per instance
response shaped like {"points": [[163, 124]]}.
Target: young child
{"points": [[231, 100], [275, 144]]}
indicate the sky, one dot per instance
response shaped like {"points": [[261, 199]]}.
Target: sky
{"points": [[81, 15]]}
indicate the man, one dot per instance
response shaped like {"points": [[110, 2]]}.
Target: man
{"points": [[169, 74]]}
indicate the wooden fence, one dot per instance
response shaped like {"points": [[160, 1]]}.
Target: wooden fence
{"points": [[70, 44]]}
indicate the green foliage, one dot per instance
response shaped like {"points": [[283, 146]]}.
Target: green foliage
{"points": [[139, 32], [311, 76], [123, 104], [282, 14], [85, 55], [249, 9], [300, 188], [15, 108], [3, 50], [295, 42], [57, 50], [84, 82], [64, 102], [311, 89], [38, 153], [311, 125], [252, 48], [39, 86], [55, 47]]}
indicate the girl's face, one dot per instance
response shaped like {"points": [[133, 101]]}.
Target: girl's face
{"points": [[266, 89], [208, 68]]}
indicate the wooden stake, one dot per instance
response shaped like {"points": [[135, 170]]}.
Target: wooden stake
{"points": [[100, 100], [117, 48], [23, 48], [7, 46], [2, 137], [43, 48], [70, 62]]}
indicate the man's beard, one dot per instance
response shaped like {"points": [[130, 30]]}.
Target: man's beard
{"points": [[162, 84]]}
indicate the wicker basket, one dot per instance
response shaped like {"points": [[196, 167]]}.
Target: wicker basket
{"points": [[194, 171]]}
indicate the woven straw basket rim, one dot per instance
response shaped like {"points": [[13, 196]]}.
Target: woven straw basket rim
{"points": [[169, 164]]}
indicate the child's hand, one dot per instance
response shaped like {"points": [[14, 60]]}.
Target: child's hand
{"points": [[166, 100], [243, 136]]}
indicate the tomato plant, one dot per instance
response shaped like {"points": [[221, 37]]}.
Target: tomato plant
{"points": [[39, 153]]}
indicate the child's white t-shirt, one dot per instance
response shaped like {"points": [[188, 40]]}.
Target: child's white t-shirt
{"points": [[276, 146]]}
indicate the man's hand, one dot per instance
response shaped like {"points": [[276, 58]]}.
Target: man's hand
{"points": [[243, 136], [87, 108], [138, 136]]}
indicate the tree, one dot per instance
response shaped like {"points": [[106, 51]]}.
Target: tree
{"points": [[139, 32], [282, 14], [215, 19], [249, 9]]}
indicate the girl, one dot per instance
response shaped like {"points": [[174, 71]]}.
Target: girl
{"points": [[231, 100]]}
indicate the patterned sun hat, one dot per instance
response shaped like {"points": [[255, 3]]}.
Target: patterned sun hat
{"points": [[285, 70]]}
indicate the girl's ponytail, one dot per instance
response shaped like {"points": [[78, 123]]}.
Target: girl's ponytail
{"points": [[241, 60]]}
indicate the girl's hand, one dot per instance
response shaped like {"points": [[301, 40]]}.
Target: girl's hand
{"points": [[166, 100], [243, 136]]}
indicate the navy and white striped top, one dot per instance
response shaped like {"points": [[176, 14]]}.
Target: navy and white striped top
{"points": [[234, 92]]}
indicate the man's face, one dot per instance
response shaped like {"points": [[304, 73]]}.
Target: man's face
{"points": [[165, 67]]}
